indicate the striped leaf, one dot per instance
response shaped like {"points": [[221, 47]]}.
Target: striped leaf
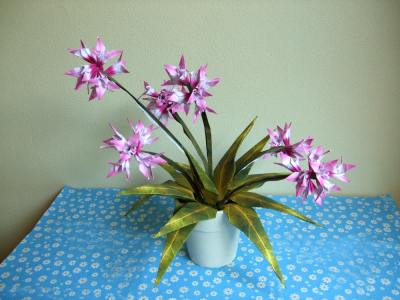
{"points": [[173, 244], [256, 180], [190, 213], [249, 199], [177, 176], [225, 170], [138, 203], [242, 174], [202, 176], [251, 154], [247, 220], [166, 189]]}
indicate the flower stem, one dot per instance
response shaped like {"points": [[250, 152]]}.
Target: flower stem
{"points": [[151, 116], [207, 132], [191, 138]]}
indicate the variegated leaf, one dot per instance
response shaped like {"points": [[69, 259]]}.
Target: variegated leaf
{"points": [[249, 199], [190, 213], [167, 189], [247, 220], [225, 170], [178, 177], [138, 203], [251, 154], [202, 176], [242, 174], [173, 244], [256, 180]]}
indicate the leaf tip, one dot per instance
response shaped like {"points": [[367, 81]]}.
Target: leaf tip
{"points": [[157, 281], [157, 235]]}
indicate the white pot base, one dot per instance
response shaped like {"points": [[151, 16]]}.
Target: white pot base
{"points": [[213, 243]]}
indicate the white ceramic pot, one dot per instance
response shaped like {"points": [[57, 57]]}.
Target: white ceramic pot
{"points": [[213, 243]]}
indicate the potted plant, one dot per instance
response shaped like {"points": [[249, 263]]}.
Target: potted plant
{"points": [[211, 203]]}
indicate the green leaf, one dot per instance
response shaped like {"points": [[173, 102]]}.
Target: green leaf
{"points": [[243, 173], [249, 199], [251, 154], [256, 180], [205, 180], [247, 220], [167, 189], [188, 133], [225, 170], [178, 177], [207, 133], [173, 244], [190, 213], [184, 169], [138, 203]]}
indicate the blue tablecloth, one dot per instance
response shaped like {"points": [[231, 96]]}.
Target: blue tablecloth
{"points": [[84, 248]]}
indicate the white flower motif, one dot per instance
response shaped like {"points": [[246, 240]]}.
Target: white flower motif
{"points": [[206, 283], [217, 280], [228, 291], [213, 293], [297, 278]]}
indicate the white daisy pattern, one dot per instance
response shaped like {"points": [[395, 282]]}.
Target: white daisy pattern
{"points": [[84, 248]]}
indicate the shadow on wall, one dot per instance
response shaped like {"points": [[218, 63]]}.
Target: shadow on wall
{"points": [[23, 229]]}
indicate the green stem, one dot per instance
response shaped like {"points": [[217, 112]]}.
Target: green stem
{"points": [[207, 132], [191, 138], [151, 116]]}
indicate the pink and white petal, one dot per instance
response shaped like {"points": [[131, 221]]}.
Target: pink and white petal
{"points": [[213, 82], [171, 70], [75, 72], [112, 53], [293, 177], [182, 64], [117, 68], [100, 91], [146, 171], [100, 45]]}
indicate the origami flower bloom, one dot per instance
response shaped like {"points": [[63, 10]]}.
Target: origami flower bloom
{"points": [[165, 103], [281, 138], [196, 83], [178, 75], [93, 74], [133, 147], [199, 85], [315, 180]]}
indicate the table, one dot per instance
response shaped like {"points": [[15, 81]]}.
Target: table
{"points": [[84, 248]]}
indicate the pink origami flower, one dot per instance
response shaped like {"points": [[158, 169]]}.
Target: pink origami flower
{"points": [[178, 75], [196, 83], [281, 138], [133, 147], [165, 103], [199, 86], [316, 179], [93, 74]]}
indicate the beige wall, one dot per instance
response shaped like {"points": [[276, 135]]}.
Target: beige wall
{"points": [[330, 67]]}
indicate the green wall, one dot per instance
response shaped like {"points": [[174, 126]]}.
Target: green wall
{"points": [[330, 67]]}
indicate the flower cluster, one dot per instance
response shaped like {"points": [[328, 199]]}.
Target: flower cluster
{"points": [[93, 74], [133, 147], [314, 180], [183, 88]]}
